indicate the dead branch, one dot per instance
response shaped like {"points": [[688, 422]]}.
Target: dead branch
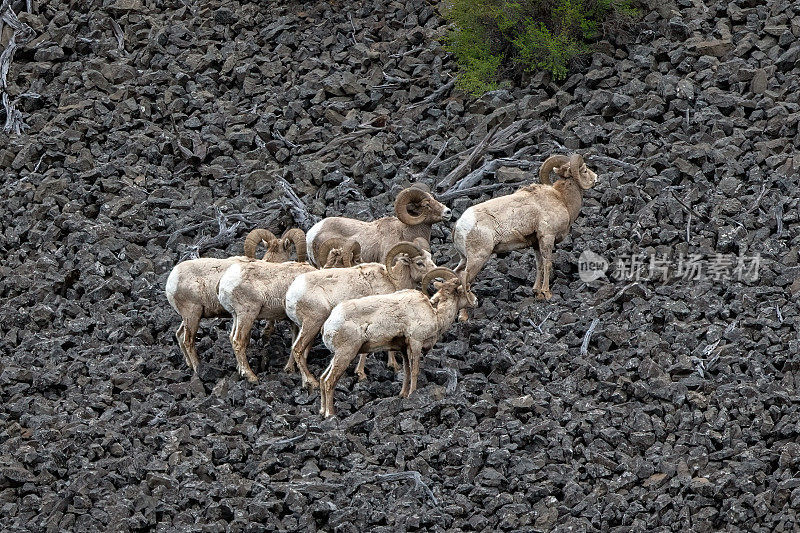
{"points": [[688, 208], [465, 166], [353, 26], [588, 336], [421, 175], [270, 208], [290, 440], [118, 34], [452, 379], [14, 121], [603, 305], [757, 201], [434, 95], [490, 167], [300, 213], [220, 240], [412, 475], [283, 139], [614, 161]]}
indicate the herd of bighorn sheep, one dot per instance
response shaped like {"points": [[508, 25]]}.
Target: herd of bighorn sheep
{"points": [[364, 285]]}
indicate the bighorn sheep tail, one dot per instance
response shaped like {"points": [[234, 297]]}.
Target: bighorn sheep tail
{"points": [[404, 247], [575, 164], [440, 272], [549, 164], [407, 196], [253, 239], [298, 238]]}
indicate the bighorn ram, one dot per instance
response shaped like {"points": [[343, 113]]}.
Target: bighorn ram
{"points": [[537, 215], [255, 290], [312, 296], [192, 285], [405, 320], [416, 211]]}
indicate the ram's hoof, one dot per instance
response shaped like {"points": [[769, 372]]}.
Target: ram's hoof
{"points": [[544, 295], [252, 378], [289, 368], [311, 384], [362, 375]]}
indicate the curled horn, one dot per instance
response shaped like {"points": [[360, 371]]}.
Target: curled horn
{"points": [[407, 196], [254, 238], [326, 247], [404, 247], [298, 238], [439, 272], [549, 164], [575, 164]]}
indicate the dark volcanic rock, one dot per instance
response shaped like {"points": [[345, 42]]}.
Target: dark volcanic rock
{"points": [[154, 132]]}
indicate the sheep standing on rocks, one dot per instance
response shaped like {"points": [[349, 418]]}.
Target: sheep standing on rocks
{"points": [[537, 215], [416, 211], [405, 320], [312, 296], [252, 291], [191, 287]]}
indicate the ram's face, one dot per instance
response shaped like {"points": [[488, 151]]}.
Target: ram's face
{"points": [[421, 265], [437, 211], [468, 298], [586, 178], [277, 251]]}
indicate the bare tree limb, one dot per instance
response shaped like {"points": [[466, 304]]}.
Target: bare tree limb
{"points": [[465, 166], [414, 476], [434, 95], [300, 213], [588, 337], [421, 175], [118, 34]]}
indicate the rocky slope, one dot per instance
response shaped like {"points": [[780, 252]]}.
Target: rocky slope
{"points": [[155, 130]]}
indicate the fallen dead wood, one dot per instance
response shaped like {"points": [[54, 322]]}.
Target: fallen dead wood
{"points": [[21, 35]]}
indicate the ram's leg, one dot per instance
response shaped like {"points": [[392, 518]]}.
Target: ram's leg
{"points": [[414, 356], [391, 360], [179, 335], [341, 360], [362, 361], [300, 348], [537, 285], [475, 262], [191, 321], [269, 327], [546, 250], [240, 339], [478, 253], [406, 375], [462, 262]]}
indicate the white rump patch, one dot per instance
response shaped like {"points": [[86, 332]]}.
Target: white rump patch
{"points": [[464, 226], [312, 233], [296, 291], [332, 325], [228, 283], [172, 285]]}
